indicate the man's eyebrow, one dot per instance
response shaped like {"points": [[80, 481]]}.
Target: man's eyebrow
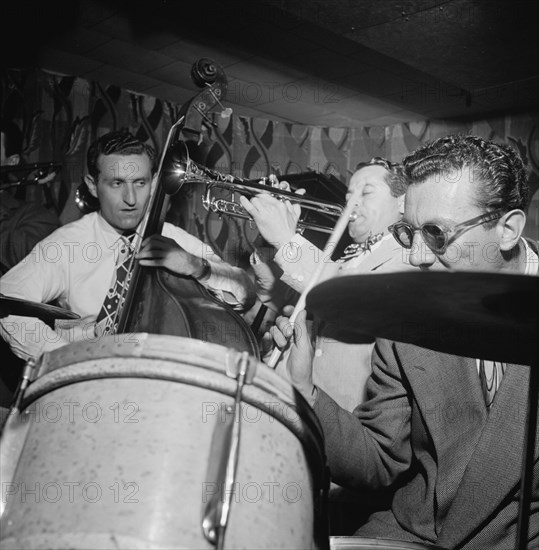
{"points": [[139, 178], [440, 221]]}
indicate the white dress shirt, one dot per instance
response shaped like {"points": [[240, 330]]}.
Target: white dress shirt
{"points": [[75, 265], [532, 269]]}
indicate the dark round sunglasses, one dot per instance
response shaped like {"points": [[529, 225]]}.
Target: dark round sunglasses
{"points": [[436, 236]]}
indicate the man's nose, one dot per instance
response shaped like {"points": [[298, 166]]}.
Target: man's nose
{"points": [[420, 254], [353, 198], [129, 194]]}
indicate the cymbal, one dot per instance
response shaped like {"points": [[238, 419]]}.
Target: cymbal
{"points": [[25, 308], [472, 314]]}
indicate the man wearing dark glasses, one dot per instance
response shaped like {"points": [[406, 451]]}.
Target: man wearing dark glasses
{"points": [[445, 431], [465, 214]]}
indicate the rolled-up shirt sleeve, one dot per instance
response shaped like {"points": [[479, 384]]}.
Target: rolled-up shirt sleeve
{"points": [[33, 279], [29, 337], [230, 284]]}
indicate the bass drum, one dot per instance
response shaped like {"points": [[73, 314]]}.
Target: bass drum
{"points": [[360, 543], [120, 446]]}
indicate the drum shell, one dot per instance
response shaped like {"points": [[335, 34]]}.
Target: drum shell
{"points": [[119, 442]]}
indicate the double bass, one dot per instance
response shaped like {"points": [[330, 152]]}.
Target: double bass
{"points": [[160, 302]]}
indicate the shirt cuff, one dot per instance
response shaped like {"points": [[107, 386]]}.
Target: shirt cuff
{"points": [[206, 272], [291, 251], [314, 395]]}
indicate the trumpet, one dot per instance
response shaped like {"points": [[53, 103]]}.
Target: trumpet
{"points": [[316, 214]]}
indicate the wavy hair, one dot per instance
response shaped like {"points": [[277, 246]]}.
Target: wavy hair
{"points": [[118, 142], [497, 168], [394, 178]]}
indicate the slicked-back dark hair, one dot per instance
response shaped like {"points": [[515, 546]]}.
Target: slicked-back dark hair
{"points": [[498, 170], [394, 178], [118, 142]]}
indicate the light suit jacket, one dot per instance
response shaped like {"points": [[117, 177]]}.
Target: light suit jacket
{"points": [[340, 369], [299, 259], [425, 427]]}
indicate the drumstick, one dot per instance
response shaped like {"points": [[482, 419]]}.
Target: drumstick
{"points": [[334, 238]]}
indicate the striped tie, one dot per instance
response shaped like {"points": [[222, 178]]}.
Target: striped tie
{"points": [[107, 320], [490, 375]]}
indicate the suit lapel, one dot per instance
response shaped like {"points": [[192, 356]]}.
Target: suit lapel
{"points": [[453, 409], [387, 251], [494, 468]]}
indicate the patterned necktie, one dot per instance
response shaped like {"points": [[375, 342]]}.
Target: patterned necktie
{"points": [[107, 321], [355, 248], [490, 376]]}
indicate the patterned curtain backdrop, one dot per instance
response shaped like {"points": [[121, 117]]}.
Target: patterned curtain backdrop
{"points": [[61, 115]]}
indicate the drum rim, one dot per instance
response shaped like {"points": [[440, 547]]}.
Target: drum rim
{"points": [[157, 346], [77, 373], [351, 543]]}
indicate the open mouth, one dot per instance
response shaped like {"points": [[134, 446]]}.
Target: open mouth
{"points": [[355, 216]]}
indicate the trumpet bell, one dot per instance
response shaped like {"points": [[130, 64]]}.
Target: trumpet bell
{"points": [[175, 168]]}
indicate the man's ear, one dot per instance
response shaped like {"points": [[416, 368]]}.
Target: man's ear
{"points": [[509, 228], [92, 186]]}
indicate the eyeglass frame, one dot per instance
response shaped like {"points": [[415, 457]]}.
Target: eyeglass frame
{"points": [[451, 234]]}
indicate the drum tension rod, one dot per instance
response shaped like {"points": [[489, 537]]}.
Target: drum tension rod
{"points": [[225, 449], [21, 388]]}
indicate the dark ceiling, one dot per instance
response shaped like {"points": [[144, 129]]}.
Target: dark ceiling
{"points": [[320, 62]]}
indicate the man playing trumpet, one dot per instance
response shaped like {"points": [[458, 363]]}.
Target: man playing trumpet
{"points": [[377, 191]]}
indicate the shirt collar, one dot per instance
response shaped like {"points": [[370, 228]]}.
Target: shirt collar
{"points": [[110, 234], [532, 261]]}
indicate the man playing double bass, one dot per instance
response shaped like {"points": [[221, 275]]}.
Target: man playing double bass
{"points": [[77, 264]]}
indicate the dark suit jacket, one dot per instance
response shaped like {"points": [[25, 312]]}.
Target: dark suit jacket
{"points": [[425, 428]]}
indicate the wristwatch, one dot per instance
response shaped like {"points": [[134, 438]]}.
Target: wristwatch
{"points": [[254, 258]]}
